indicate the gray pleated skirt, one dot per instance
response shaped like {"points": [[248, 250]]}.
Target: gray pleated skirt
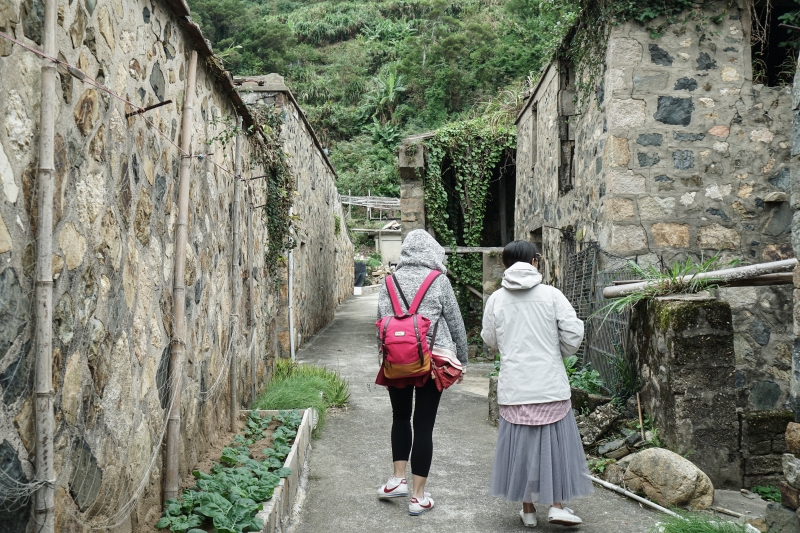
{"points": [[540, 464]]}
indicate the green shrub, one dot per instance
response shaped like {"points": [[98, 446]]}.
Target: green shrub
{"points": [[299, 386], [692, 523], [585, 378], [768, 492]]}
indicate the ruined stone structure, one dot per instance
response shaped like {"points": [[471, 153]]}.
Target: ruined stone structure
{"points": [[678, 154], [114, 231]]}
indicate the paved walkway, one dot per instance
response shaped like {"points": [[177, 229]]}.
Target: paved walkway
{"points": [[353, 456]]}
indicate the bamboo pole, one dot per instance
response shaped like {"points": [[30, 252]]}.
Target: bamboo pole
{"points": [[45, 495], [724, 275], [236, 274], [178, 346], [251, 293]]}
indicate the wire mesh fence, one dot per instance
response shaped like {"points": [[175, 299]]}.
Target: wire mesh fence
{"points": [[605, 340]]}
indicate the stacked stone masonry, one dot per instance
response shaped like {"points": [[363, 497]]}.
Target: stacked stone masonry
{"points": [[677, 155], [114, 231]]}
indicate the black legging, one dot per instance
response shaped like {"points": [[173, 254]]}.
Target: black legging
{"points": [[424, 418]]}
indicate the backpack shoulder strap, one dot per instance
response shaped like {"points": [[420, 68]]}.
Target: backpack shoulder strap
{"points": [[400, 291], [398, 311], [423, 289]]}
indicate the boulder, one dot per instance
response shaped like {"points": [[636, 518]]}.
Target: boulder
{"points": [[791, 469], [790, 496], [669, 480], [597, 423], [579, 399], [596, 400], [780, 519], [611, 446], [614, 473]]}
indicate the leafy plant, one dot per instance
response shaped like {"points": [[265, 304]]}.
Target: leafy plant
{"points": [[495, 367], [768, 492], [585, 378], [598, 466], [229, 497], [681, 277]]}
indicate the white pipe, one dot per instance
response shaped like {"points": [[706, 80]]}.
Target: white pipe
{"points": [[291, 289], [633, 496]]}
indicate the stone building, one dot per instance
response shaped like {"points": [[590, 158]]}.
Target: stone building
{"points": [[114, 231], [678, 154]]}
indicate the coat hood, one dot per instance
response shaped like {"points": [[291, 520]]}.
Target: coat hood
{"points": [[420, 249], [521, 276]]}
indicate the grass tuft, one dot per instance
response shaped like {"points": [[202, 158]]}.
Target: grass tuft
{"points": [[298, 386], [692, 523]]}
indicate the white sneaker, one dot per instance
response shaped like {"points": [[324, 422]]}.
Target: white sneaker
{"points": [[394, 488], [418, 506], [563, 517], [529, 519]]}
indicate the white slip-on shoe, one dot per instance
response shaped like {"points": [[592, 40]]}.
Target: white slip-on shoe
{"points": [[417, 506], [563, 517], [394, 488], [529, 519]]}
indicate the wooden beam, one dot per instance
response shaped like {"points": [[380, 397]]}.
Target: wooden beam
{"points": [[474, 250]]}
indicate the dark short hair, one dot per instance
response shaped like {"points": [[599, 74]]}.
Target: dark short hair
{"points": [[519, 251]]}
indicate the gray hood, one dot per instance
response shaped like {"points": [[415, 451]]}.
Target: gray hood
{"points": [[521, 276], [420, 249]]}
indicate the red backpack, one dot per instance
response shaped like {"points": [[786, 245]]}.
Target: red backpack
{"points": [[404, 336]]}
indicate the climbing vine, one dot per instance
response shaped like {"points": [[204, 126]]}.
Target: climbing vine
{"points": [[468, 153], [278, 188]]}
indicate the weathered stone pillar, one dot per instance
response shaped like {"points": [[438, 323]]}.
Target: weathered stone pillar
{"points": [[686, 363], [493, 269], [411, 162], [795, 203]]}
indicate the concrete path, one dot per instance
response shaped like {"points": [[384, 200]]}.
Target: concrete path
{"points": [[353, 456]]}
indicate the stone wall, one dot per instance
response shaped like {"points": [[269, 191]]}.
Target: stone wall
{"points": [[685, 360], [114, 228], [795, 166], [323, 256]]}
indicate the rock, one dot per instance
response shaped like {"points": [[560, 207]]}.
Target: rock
{"points": [[12, 322], [655, 208], [19, 127], [597, 423], [688, 137], [7, 178], [614, 473], [78, 27], [671, 234], [616, 152], [5, 237], [631, 410], [494, 409], [611, 446], [620, 208], [619, 453], [90, 192], [112, 240], [717, 237], [793, 438], [659, 56], [782, 180], [64, 318], [579, 399], [86, 111], [596, 400], [71, 394], [73, 244], [683, 159], [790, 496], [669, 480], [674, 111], [780, 221], [685, 84], [141, 223], [626, 182], [628, 238], [633, 438], [106, 28], [719, 131], [704, 62], [775, 197], [646, 160], [791, 469], [624, 114], [781, 520], [624, 52], [730, 74], [650, 139], [157, 81], [651, 81]]}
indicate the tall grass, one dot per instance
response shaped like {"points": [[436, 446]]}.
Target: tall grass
{"points": [[692, 523], [298, 386]]}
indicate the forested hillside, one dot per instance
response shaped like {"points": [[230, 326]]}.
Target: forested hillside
{"points": [[368, 73]]}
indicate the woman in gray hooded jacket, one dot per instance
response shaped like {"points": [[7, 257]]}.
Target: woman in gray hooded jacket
{"points": [[539, 456], [419, 254]]}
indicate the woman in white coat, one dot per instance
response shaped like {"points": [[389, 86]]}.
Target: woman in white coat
{"points": [[539, 456]]}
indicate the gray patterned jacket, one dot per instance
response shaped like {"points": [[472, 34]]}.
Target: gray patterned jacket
{"points": [[419, 255]]}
